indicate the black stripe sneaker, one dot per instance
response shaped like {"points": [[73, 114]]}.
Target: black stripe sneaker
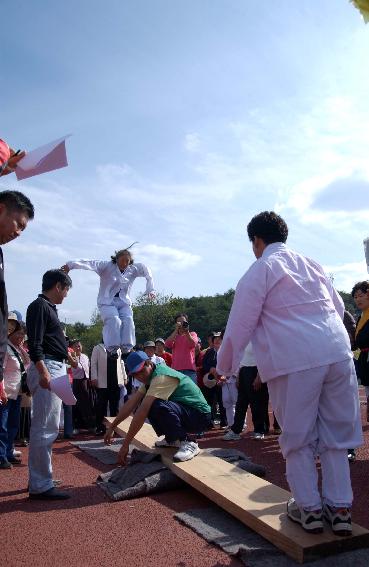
{"points": [[310, 521], [339, 519]]}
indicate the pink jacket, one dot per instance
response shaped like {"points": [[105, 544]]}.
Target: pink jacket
{"points": [[287, 307]]}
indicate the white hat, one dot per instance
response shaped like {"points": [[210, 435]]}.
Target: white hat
{"points": [[12, 316], [209, 380]]}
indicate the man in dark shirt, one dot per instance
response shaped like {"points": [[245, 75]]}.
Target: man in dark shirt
{"points": [[15, 212], [48, 352]]}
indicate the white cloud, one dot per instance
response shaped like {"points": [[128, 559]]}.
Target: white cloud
{"points": [[192, 142], [346, 275], [165, 257]]}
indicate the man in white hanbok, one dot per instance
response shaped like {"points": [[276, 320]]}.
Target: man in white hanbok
{"points": [[288, 308], [116, 278]]}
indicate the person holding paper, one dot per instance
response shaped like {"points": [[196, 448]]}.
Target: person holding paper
{"points": [[48, 351], [9, 158], [116, 278], [15, 212]]}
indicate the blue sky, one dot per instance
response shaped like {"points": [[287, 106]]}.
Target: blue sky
{"points": [[188, 117]]}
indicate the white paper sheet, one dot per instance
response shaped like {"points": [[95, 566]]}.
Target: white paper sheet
{"points": [[62, 388]]}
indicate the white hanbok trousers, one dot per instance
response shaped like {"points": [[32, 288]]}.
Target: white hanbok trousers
{"points": [[229, 398], [119, 328], [319, 413]]}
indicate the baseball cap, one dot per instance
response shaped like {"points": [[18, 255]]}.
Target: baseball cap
{"points": [[149, 343], [12, 316], [160, 340], [136, 361]]}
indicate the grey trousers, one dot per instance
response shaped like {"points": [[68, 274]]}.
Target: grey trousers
{"points": [[45, 420]]}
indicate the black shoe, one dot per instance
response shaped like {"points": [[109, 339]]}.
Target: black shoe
{"points": [[351, 455], [68, 436], [5, 465], [14, 460], [51, 494]]}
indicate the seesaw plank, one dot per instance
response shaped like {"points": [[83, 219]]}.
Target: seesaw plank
{"points": [[256, 502]]}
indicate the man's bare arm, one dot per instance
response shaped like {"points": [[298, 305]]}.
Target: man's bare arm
{"points": [[136, 424], [124, 412]]}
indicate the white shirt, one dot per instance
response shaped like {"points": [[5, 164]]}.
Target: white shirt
{"points": [[112, 280], [99, 362], [248, 358], [288, 308], [12, 371]]}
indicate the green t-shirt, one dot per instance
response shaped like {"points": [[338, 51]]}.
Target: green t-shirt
{"points": [[187, 392]]}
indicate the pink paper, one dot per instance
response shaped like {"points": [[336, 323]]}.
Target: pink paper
{"points": [[46, 158]]}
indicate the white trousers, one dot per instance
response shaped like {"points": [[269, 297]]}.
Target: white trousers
{"points": [[119, 328], [319, 413], [229, 397]]}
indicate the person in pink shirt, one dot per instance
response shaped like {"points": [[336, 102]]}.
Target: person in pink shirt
{"points": [[183, 343], [287, 307]]}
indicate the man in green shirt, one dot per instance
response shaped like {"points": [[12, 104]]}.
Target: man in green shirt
{"points": [[172, 403]]}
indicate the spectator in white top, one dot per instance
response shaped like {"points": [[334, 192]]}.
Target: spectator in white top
{"points": [[83, 417], [116, 278], [108, 376], [251, 392], [15, 363]]}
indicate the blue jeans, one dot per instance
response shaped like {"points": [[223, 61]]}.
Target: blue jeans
{"points": [[9, 425], [44, 427], [68, 420], [190, 373], [176, 420]]}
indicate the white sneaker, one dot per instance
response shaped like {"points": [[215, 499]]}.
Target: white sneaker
{"points": [[164, 443], [187, 450], [17, 453], [339, 519], [231, 436], [258, 435], [311, 522]]}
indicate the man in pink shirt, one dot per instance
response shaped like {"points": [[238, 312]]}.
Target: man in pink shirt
{"points": [[287, 307], [183, 344]]}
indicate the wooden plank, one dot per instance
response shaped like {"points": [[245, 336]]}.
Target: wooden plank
{"points": [[254, 501]]}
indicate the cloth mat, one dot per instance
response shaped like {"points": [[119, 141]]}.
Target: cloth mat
{"points": [[220, 528], [144, 475], [103, 453], [239, 459]]}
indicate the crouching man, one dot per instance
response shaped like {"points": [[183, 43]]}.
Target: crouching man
{"points": [[172, 403]]}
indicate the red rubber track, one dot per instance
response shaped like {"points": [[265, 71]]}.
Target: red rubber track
{"points": [[90, 531]]}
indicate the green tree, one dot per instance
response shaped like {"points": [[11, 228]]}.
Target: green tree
{"points": [[155, 317]]}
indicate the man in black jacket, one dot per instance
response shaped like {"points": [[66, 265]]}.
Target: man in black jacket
{"points": [[48, 351], [15, 212]]}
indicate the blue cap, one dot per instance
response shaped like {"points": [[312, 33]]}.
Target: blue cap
{"points": [[135, 361]]}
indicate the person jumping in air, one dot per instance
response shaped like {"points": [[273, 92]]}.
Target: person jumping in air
{"points": [[115, 306]]}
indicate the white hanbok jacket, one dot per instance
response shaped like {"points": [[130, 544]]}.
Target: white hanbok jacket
{"points": [[99, 367], [112, 280]]}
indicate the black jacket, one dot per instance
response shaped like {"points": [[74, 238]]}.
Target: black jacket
{"points": [[3, 316], [362, 342]]}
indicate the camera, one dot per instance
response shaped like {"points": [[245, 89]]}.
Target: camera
{"points": [[185, 324]]}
